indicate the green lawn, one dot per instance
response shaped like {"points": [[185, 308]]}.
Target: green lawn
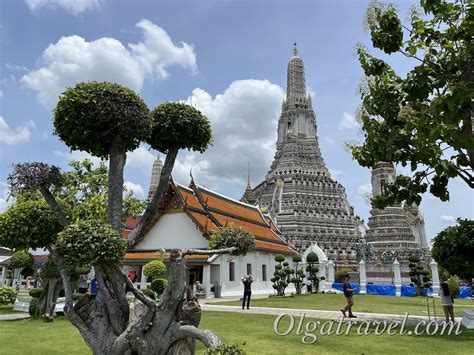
{"points": [[60, 337], [362, 303]]}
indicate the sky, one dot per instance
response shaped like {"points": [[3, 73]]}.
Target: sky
{"points": [[226, 58]]}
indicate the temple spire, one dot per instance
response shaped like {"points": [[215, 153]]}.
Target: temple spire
{"points": [[296, 83], [249, 196], [295, 50]]}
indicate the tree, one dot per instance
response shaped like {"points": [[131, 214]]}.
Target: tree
{"points": [[282, 275], [120, 123], [30, 223], [453, 249], [155, 270], [424, 119], [298, 279], [312, 270], [419, 275]]}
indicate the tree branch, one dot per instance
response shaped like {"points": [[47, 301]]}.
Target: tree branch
{"points": [[205, 336], [147, 219], [54, 206], [207, 252], [136, 292]]}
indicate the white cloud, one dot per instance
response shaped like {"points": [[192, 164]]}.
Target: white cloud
{"points": [[74, 59], [135, 188], [348, 121], [72, 6], [336, 173], [448, 219], [329, 140], [19, 135], [77, 155], [141, 158], [243, 121]]}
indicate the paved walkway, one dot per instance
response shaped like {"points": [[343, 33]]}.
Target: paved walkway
{"points": [[311, 313], [14, 316]]}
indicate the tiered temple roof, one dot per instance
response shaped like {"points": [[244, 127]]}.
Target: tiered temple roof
{"points": [[209, 211]]}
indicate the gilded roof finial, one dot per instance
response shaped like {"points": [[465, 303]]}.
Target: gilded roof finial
{"points": [[295, 49]]}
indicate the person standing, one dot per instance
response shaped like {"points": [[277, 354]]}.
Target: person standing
{"points": [[247, 281], [348, 293], [309, 286], [447, 301]]}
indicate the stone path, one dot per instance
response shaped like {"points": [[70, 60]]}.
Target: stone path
{"points": [[311, 313], [14, 316]]}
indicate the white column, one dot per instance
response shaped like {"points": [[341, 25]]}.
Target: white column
{"points": [[224, 271], [397, 277], [206, 280], [16, 274], [330, 273], [362, 277], [322, 272], [143, 280], [4, 276], [435, 276]]}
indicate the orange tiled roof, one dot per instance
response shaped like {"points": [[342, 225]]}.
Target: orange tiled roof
{"points": [[268, 246], [189, 197], [145, 255], [204, 221], [220, 203]]}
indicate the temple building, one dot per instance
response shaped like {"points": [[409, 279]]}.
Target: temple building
{"points": [[187, 218], [298, 191], [398, 229]]}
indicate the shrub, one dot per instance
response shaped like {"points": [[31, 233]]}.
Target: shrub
{"points": [[339, 275], [454, 286], [148, 292], [159, 285], [279, 258], [154, 269], [90, 243], [312, 258], [231, 237], [33, 306], [225, 349], [7, 295], [21, 259], [36, 292]]}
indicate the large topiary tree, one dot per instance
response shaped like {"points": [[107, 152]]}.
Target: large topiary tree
{"points": [[107, 121], [419, 274], [282, 275], [312, 269], [453, 249], [299, 275], [155, 270]]}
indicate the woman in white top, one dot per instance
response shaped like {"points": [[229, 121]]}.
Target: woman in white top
{"points": [[447, 301]]}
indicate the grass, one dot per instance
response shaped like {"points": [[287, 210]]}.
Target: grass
{"points": [[33, 336], [362, 303]]}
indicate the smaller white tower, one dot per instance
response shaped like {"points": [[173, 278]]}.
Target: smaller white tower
{"points": [[155, 177]]}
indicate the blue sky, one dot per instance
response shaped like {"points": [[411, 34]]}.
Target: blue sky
{"points": [[228, 58]]}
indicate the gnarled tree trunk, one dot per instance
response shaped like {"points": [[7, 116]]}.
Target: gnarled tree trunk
{"points": [[48, 298]]}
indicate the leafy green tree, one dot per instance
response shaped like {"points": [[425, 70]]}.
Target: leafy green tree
{"points": [[106, 120], [423, 119], [453, 249], [232, 237], [282, 275], [299, 275], [312, 260], [7, 295], [419, 275]]}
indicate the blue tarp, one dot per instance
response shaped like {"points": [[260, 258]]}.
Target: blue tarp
{"points": [[383, 290], [408, 291], [466, 292], [338, 286]]}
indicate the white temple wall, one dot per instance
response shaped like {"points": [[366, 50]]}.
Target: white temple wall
{"points": [[174, 230]]}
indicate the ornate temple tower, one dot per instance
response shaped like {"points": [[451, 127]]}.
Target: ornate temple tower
{"points": [[249, 196], [298, 191], [399, 229]]}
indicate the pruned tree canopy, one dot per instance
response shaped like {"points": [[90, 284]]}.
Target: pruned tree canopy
{"points": [[98, 116]]}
